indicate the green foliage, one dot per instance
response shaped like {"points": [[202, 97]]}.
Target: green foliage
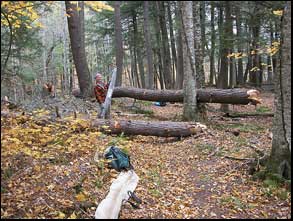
{"points": [[28, 75], [234, 201], [99, 183], [118, 140], [8, 173], [155, 193], [145, 103], [263, 109]]}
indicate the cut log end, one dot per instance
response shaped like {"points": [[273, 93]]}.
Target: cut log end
{"points": [[254, 96]]}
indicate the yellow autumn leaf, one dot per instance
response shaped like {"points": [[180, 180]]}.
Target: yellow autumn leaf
{"points": [[61, 215], [278, 12], [46, 129], [80, 197], [72, 216], [255, 69], [230, 55], [51, 187], [39, 24], [276, 43]]}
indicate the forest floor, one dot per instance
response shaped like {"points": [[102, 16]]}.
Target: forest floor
{"points": [[48, 168]]}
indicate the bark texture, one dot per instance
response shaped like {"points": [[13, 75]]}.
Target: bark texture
{"points": [[118, 43], [150, 69], [148, 128], [226, 96], [78, 49], [280, 159], [189, 102]]}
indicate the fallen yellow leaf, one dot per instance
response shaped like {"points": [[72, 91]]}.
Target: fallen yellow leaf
{"points": [[80, 197], [72, 216]]}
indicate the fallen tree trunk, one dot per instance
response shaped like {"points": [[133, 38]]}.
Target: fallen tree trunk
{"points": [[236, 115], [148, 128], [225, 96], [128, 127]]}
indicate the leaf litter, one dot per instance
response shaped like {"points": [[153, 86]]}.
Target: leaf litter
{"points": [[48, 168]]}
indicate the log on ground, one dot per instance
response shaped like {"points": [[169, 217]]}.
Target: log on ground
{"points": [[236, 115], [149, 128], [225, 96]]}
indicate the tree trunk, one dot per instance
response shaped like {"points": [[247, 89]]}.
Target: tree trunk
{"points": [[118, 43], [213, 37], [229, 41], [174, 56], [280, 158], [271, 58], [199, 56], [255, 74], [147, 128], [65, 81], [133, 53], [239, 44], [137, 50], [78, 50], [226, 96], [165, 43], [189, 101], [81, 19], [224, 51], [150, 69], [179, 70], [202, 27]]}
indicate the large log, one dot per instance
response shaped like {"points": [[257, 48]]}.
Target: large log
{"points": [[225, 96], [148, 128], [128, 127]]}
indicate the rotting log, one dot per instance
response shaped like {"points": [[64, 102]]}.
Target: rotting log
{"points": [[149, 128], [225, 96]]}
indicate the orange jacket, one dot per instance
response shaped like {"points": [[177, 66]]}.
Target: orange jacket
{"points": [[101, 91]]}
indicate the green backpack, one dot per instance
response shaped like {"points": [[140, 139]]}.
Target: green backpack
{"points": [[119, 160]]}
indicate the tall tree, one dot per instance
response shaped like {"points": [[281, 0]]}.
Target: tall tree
{"points": [[118, 43], [179, 66], [172, 38], [280, 158], [213, 38], [224, 51], [189, 101], [199, 56], [78, 50], [165, 43], [255, 73], [239, 44], [229, 41], [150, 69]]}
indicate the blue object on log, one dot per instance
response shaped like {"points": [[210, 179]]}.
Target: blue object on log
{"points": [[160, 103]]}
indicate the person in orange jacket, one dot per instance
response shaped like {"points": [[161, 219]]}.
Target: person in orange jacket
{"points": [[101, 88]]}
